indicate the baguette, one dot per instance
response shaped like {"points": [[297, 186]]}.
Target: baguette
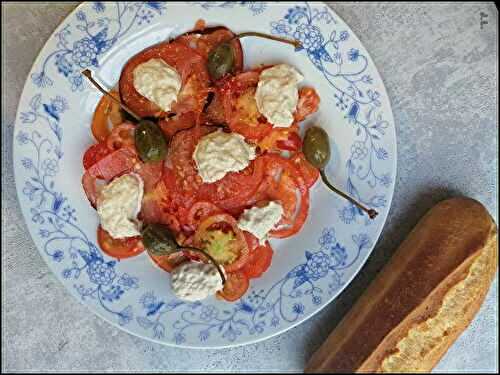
{"points": [[422, 300]]}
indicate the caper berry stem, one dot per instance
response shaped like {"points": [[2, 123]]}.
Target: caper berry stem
{"points": [[87, 73], [212, 260], [371, 212], [293, 42]]}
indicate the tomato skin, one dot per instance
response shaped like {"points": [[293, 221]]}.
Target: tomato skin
{"points": [[236, 285], [224, 219], [259, 262], [119, 248], [95, 153]]}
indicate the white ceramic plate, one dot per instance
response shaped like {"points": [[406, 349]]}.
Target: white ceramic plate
{"points": [[308, 271]]}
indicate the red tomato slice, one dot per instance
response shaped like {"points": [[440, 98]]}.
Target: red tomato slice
{"points": [[308, 103], [154, 209], [221, 237], [122, 136], [172, 125], [259, 261], [252, 241], [282, 139], [169, 262], [240, 107], [234, 188], [236, 285], [203, 40], [306, 169], [214, 111], [200, 210], [151, 174], [180, 158], [190, 66], [119, 248], [95, 153], [282, 183], [112, 165]]}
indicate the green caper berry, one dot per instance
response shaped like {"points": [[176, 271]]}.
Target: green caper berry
{"points": [[159, 240], [316, 147], [150, 141]]}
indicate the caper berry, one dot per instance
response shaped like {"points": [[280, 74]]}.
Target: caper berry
{"points": [[150, 141], [220, 61], [316, 147], [221, 58], [159, 240]]}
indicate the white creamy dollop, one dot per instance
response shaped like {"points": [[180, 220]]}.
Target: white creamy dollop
{"points": [[158, 82], [194, 281], [219, 153], [260, 220], [118, 205], [277, 94]]}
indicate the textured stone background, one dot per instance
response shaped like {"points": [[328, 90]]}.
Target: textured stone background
{"points": [[440, 70]]}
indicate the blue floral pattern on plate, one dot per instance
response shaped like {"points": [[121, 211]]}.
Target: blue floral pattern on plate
{"points": [[293, 290], [285, 301], [81, 46], [64, 241], [345, 71]]}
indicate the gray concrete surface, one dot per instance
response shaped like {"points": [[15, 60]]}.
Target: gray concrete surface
{"points": [[441, 72]]}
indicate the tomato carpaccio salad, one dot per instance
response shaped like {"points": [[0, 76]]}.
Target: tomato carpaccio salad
{"points": [[230, 164]]}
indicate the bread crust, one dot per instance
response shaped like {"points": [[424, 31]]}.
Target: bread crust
{"points": [[422, 300]]}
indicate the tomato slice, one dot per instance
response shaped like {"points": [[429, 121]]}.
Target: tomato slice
{"points": [[200, 210], [252, 241], [95, 153], [122, 136], [214, 111], [112, 165], [240, 107], [220, 236], [106, 113], [282, 139], [180, 158], [308, 103], [236, 285], [234, 188], [119, 248], [169, 262], [306, 169], [172, 125], [190, 66], [259, 261], [282, 183]]}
